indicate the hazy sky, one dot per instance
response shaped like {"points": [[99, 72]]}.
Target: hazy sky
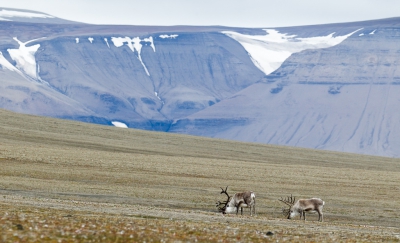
{"points": [[237, 13]]}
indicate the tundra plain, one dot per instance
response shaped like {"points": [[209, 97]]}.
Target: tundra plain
{"points": [[67, 181]]}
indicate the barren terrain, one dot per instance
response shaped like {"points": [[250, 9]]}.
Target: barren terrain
{"points": [[65, 181]]}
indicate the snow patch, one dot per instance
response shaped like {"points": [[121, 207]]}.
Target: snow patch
{"points": [[135, 45], [90, 39], [361, 34], [373, 32], [105, 39], [324, 41], [7, 65], [158, 97], [268, 52], [5, 14], [150, 39], [119, 124], [25, 57], [168, 36]]}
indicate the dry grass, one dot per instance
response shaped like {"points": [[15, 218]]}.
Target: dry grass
{"points": [[124, 184]]}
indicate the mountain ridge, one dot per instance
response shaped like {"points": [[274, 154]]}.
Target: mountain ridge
{"points": [[267, 85]]}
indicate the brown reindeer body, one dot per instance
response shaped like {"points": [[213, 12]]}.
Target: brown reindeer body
{"points": [[302, 206], [242, 200], [307, 205]]}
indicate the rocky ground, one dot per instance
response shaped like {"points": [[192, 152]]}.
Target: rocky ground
{"points": [[25, 219]]}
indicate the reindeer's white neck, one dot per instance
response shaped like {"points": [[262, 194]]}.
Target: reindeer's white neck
{"points": [[231, 202], [293, 213], [230, 208]]}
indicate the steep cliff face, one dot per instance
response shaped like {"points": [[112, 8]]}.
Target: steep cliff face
{"points": [[331, 87], [342, 98], [144, 77], [148, 79]]}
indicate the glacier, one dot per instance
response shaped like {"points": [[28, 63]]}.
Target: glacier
{"points": [[331, 87]]}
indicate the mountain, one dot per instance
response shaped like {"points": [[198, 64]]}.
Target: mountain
{"points": [[27, 16], [330, 87]]}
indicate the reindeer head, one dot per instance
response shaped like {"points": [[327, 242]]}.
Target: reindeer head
{"points": [[290, 202], [222, 205]]}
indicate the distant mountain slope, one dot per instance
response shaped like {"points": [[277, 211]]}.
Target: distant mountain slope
{"points": [[142, 76], [28, 16], [325, 86], [342, 98]]}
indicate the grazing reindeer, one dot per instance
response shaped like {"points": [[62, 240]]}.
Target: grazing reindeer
{"points": [[240, 200], [302, 206]]}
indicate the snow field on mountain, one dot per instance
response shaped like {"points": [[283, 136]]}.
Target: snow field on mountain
{"points": [[269, 51]]}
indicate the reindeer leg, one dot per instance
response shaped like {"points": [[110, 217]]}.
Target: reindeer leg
{"points": [[239, 206], [254, 208], [320, 215], [237, 209]]}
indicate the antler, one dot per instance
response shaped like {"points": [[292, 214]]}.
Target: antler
{"points": [[289, 200], [224, 203]]}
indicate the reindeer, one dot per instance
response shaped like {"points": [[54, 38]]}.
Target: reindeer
{"points": [[240, 200], [302, 206]]}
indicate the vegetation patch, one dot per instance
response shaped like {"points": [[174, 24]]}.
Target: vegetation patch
{"points": [[65, 181]]}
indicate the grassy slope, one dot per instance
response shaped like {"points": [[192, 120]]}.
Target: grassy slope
{"points": [[53, 168]]}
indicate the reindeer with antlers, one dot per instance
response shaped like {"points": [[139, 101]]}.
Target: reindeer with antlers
{"points": [[302, 206], [240, 200]]}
